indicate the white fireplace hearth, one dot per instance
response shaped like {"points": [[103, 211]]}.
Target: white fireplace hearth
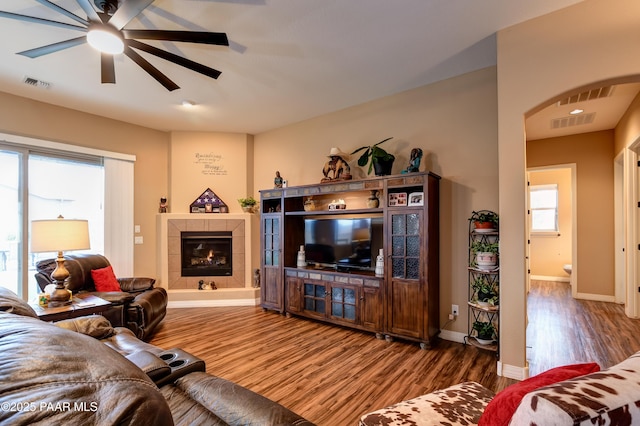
{"points": [[234, 290]]}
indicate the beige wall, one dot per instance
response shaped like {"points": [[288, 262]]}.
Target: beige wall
{"points": [[25, 117], [549, 252], [539, 61], [219, 161], [628, 128], [593, 155], [453, 121]]}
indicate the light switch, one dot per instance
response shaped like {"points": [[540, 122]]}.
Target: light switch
{"points": [[138, 240], [136, 229]]}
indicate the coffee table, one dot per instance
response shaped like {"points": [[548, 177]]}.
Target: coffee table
{"points": [[82, 304]]}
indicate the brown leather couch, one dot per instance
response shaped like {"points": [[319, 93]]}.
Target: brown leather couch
{"points": [[84, 371], [139, 306]]}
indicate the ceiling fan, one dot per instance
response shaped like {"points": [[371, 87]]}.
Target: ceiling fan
{"points": [[105, 31]]}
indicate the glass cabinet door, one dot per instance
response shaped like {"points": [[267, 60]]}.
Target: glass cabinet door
{"points": [[405, 245], [271, 241], [343, 303]]}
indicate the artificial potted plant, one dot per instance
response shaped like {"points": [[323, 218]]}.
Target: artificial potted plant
{"points": [[247, 204], [486, 254], [485, 330], [379, 159], [484, 220]]}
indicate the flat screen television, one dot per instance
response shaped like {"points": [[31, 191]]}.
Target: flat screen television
{"points": [[343, 242]]}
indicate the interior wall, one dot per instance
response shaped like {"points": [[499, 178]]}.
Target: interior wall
{"points": [[29, 118], [201, 160], [539, 61], [550, 252], [453, 121], [593, 155]]}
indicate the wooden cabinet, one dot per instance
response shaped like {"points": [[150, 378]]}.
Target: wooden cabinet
{"points": [[271, 289], [335, 297], [404, 301]]}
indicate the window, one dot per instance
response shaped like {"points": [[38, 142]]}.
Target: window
{"points": [[41, 180], [543, 203]]}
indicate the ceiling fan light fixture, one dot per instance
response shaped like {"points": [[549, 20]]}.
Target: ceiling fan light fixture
{"points": [[106, 39]]}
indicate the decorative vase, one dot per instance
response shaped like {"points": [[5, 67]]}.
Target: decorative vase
{"points": [[309, 204], [302, 262], [380, 264], [372, 201], [383, 167], [247, 209], [484, 225]]}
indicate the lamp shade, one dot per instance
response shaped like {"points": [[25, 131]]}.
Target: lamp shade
{"points": [[59, 235]]}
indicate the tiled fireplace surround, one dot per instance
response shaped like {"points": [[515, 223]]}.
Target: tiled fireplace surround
{"points": [[232, 290]]}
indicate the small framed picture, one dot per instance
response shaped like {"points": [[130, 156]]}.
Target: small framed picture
{"points": [[416, 199], [208, 208], [398, 199]]}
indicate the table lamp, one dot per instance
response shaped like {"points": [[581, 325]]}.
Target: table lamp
{"points": [[59, 235]]}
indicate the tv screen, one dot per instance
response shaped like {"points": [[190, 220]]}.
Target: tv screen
{"points": [[343, 243]]}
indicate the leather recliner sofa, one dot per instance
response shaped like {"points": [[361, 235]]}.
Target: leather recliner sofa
{"points": [[139, 306], [84, 371]]}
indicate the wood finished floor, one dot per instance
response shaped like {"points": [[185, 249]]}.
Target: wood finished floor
{"points": [[331, 375]]}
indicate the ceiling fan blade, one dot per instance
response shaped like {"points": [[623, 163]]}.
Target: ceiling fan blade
{"points": [[183, 36], [107, 68], [127, 11], [92, 15], [63, 11], [52, 48], [26, 18], [179, 60], [150, 69]]}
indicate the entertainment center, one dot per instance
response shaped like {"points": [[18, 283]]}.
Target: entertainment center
{"points": [[343, 226]]}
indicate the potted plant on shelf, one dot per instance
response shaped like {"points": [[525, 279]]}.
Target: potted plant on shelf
{"points": [[247, 204], [485, 332], [379, 159], [486, 293], [484, 220], [486, 254]]}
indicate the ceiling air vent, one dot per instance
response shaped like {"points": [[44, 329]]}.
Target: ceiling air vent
{"points": [[572, 120], [36, 83], [589, 95]]}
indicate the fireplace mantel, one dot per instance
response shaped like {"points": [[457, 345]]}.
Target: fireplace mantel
{"points": [[237, 290]]}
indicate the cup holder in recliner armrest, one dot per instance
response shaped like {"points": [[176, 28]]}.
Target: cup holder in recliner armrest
{"points": [[181, 363]]}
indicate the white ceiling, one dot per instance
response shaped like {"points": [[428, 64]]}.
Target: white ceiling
{"points": [[288, 60]]}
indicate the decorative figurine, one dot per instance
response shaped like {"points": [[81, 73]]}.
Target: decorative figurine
{"points": [[211, 285], [256, 278], [163, 205], [414, 161], [278, 181], [337, 167]]}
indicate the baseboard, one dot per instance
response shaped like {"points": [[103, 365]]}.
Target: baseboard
{"points": [[550, 278], [512, 371], [595, 297], [452, 336], [212, 303], [213, 298]]}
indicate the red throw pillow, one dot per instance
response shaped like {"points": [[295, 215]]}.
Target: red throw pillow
{"points": [[504, 404], [105, 279]]}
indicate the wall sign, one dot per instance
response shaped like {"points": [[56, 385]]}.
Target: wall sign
{"points": [[211, 164]]}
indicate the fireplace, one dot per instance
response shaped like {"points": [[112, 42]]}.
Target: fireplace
{"points": [[206, 253]]}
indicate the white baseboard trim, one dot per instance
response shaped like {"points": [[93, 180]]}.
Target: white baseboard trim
{"points": [[550, 278], [212, 303], [595, 297], [512, 371], [452, 336]]}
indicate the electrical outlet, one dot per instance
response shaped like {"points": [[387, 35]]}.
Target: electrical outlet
{"points": [[455, 310]]}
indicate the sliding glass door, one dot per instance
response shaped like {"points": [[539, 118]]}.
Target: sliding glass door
{"points": [[10, 219], [53, 184]]}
